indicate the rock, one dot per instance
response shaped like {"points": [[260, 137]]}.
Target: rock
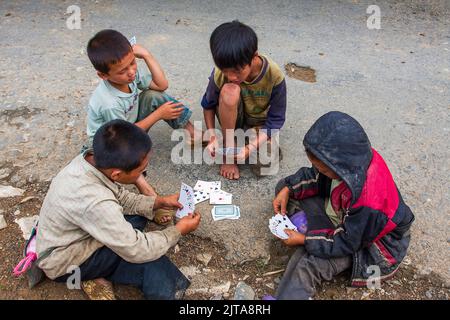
{"points": [[9, 191], [428, 294], [217, 297], [245, 277], [26, 224], [3, 223], [189, 271], [27, 199], [270, 286], [424, 272], [396, 282], [222, 288], [4, 173], [17, 212], [176, 249], [204, 258], [243, 292]]}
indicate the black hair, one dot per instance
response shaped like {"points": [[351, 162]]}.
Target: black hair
{"points": [[107, 47], [120, 144], [233, 45]]}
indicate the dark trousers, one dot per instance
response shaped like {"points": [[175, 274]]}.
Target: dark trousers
{"points": [[158, 279], [304, 271]]}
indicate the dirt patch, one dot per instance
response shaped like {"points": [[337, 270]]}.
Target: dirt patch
{"points": [[263, 275], [302, 73]]}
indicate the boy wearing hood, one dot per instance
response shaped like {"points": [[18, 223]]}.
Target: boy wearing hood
{"points": [[356, 216]]}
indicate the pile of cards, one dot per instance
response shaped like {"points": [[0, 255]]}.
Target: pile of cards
{"points": [[225, 212], [187, 200], [278, 223], [204, 190]]}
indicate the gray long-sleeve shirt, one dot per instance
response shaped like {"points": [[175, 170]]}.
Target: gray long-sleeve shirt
{"points": [[84, 210]]}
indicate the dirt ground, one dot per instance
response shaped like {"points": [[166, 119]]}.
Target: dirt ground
{"points": [[261, 274]]}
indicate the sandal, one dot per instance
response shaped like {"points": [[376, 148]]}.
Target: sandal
{"points": [[161, 213], [96, 291]]}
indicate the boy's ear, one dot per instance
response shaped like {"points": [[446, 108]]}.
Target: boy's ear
{"points": [[116, 174], [102, 75]]}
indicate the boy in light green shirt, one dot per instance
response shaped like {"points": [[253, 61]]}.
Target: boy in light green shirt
{"points": [[131, 93]]}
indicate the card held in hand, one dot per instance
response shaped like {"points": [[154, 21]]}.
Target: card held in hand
{"points": [[187, 200]]}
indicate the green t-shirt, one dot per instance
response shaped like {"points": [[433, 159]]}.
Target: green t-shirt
{"points": [[334, 216], [108, 103]]}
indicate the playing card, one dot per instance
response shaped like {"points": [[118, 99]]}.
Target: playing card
{"points": [[225, 212], [278, 223], [187, 200], [132, 40], [220, 197], [200, 196], [207, 186]]}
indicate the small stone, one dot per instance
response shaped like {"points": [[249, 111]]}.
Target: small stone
{"points": [[428, 294], [244, 292], [9, 191], [204, 258], [218, 296], [17, 212], [26, 225], [3, 223], [27, 199], [245, 277], [189, 271], [4, 173], [222, 288], [176, 249], [270, 285]]}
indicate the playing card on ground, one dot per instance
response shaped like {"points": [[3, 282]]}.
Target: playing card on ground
{"points": [[225, 212], [187, 200], [220, 197], [208, 186], [200, 196]]}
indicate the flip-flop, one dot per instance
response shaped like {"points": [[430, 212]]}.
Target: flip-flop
{"points": [[160, 213], [96, 291]]}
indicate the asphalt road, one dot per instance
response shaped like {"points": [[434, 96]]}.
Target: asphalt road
{"points": [[394, 80]]}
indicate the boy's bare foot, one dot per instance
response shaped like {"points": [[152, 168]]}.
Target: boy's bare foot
{"points": [[229, 171]]}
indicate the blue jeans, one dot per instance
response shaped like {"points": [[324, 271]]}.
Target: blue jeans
{"points": [[150, 100], [158, 279]]}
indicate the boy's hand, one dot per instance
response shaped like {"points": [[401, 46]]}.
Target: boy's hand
{"points": [[295, 238], [212, 146], [170, 110], [140, 52], [189, 223], [167, 202], [281, 200]]}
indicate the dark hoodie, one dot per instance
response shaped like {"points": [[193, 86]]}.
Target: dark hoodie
{"points": [[375, 227]]}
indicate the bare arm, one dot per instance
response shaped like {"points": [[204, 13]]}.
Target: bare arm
{"points": [[159, 81]]}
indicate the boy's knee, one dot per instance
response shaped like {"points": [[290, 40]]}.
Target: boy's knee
{"points": [[230, 94]]}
